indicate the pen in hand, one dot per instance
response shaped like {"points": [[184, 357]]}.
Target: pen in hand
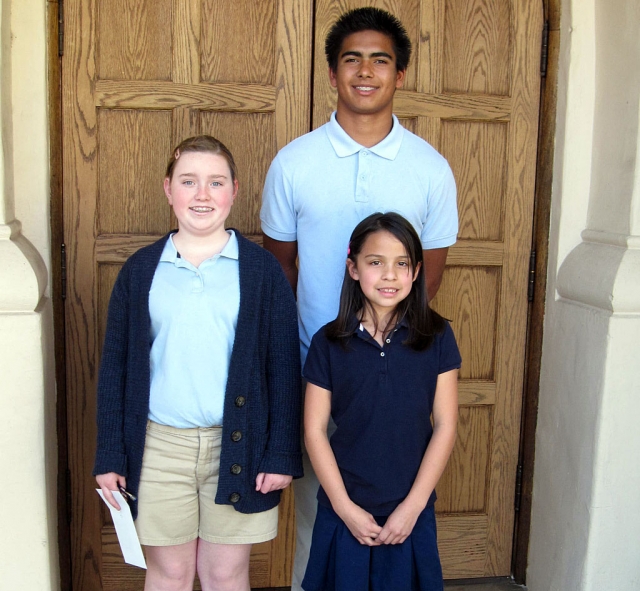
{"points": [[126, 494]]}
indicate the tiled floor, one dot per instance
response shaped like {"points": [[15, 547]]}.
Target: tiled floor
{"points": [[484, 585]]}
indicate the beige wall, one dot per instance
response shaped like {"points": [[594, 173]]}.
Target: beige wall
{"points": [[585, 520], [28, 536]]}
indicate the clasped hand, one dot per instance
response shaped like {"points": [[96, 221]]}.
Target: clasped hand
{"points": [[364, 528]]}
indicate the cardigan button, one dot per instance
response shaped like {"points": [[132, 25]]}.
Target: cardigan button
{"points": [[236, 469], [234, 497], [236, 436], [240, 401]]}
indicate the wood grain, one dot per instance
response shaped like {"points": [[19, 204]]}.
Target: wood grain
{"points": [[462, 545], [477, 107], [226, 55], [130, 171], [544, 181], [54, 91], [469, 297], [476, 152], [512, 319], [293, 70], [79, 182], [133, 89], [463, 486], [129, 46], [186, 32], [482, 63], [168, 95]]}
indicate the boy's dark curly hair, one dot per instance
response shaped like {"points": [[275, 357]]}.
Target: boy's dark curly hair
{"points": [[368, 19]]}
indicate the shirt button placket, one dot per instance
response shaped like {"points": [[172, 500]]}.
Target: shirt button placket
{"points": [[363, 176]]}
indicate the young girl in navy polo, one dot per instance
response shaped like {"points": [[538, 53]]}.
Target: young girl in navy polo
{"points": [[382, 369], [199, 385]]}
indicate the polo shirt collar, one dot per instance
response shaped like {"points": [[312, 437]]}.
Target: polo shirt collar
{"points": [[344, 145], [170, 253], [363, 334]]}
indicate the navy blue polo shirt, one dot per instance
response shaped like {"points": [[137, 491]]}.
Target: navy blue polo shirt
{"points": [[381, 402]]}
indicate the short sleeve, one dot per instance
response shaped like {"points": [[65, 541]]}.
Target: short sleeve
{"points": [[440, 228], [449, 352], [317, 367], [278, 216]]}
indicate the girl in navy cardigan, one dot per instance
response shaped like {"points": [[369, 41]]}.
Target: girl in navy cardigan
{"points": [[382, 369], [198, 392]]}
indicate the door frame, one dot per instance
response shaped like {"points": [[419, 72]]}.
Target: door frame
{"points": [[533, 353], [540, 244]]}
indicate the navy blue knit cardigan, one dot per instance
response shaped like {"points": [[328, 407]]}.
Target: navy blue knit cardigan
{"points": [[261, 424]]}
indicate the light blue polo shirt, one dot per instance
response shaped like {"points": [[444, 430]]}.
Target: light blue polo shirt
{"points": [[194, 314], [321, 185]]}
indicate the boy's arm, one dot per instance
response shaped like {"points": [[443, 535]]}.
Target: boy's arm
{"points": [[317, 409], [445, 417], [434, 263], [287, 255]]}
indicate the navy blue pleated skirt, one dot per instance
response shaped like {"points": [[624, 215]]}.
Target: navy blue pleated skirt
{"points": [[338, 562]]}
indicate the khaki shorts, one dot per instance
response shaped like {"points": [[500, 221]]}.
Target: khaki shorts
{"points": [[176, 498]]}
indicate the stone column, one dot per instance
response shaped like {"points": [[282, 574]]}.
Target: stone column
{"points": [[585, 520], [28, 540]]}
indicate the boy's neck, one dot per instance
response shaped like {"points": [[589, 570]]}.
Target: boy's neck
{"points": [[197, 249], [366, 129]]}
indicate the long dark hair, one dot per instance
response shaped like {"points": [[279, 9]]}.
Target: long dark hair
{"points": [[423, 323]]}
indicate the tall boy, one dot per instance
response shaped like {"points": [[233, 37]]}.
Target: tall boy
{"points": [[362, 161]]}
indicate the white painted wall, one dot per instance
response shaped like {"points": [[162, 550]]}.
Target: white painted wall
{"points": [[585, 521], [28, 458]]}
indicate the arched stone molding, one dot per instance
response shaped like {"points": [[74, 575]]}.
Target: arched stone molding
{"points": [[604, 272], [23, 274]]}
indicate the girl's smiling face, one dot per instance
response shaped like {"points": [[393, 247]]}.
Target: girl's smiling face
{"points": [[201, 192], [383, 269]]}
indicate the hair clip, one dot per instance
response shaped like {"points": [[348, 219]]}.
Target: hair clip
{"points": [[349, 249], [176, 154]]}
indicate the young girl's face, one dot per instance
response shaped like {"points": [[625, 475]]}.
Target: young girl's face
{"points": [[383, 269], [201, 192]]}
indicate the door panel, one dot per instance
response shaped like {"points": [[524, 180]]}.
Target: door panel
{"points": [[472, 91], [138, 77]]}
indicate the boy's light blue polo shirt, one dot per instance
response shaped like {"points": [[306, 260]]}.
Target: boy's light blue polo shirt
{"points": [[321, 185], [194, 314]]}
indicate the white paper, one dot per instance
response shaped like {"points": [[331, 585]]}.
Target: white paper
{"points": [[126, 531]]}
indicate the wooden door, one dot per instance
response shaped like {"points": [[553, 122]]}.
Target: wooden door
{"points": [[139, 76], [471, 90]]}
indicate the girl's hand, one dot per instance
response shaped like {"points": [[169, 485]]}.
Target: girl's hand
{"points": [[268, 482], [107, 483], [399, 525], [361, 524]]}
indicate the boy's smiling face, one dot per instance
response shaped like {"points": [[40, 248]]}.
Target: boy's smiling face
{"points": [[201, 192], [366, 77]]}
